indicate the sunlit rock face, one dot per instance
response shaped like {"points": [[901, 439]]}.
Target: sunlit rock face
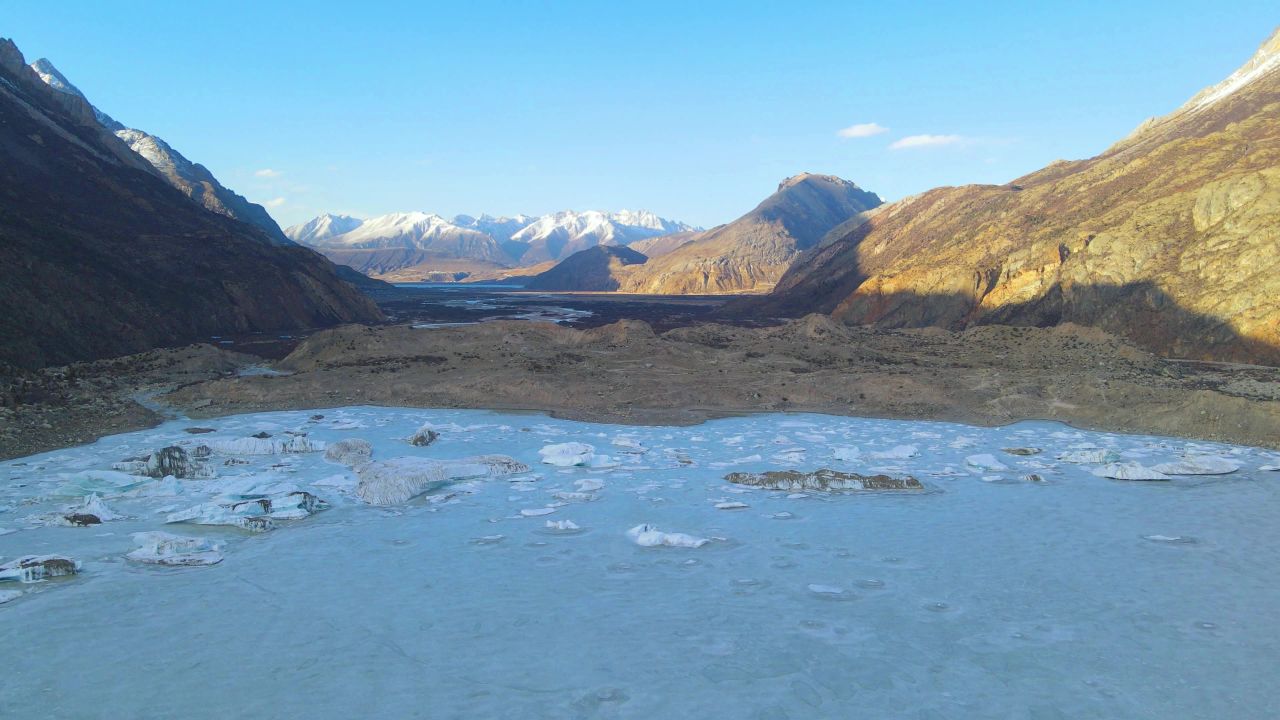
{"points": [[1169, 237], [776, 562]]}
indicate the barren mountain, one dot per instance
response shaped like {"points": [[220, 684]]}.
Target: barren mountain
{"points": [[594, 269], [103, 257], [752, 252], [1170, 237]]}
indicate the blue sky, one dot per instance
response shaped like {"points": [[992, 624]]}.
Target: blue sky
{"points": [[692, 110]]}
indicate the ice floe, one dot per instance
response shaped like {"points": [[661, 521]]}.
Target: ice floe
{"points": [[1128, 471], [349, 452], [1198, 465], [646, 535], [162, 548], [397, 480], [34, 568]]}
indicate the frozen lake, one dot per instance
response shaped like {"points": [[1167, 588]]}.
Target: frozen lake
{"points": [[987, 594]]}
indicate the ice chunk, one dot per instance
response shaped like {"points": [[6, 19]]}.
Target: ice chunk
{"points": [[388, 482], [1129, 471], [162, 548], [349, 452], [34, 568], [568, 496], [588, 485], [898, 452], [170, 461], [649, 536], [574, 454], [537, 512], [731, 505], [1022, 450], [424, 435], [9, 595], [629, 446], [255, 515], [846, 454], [1089, 456], [986, 461], [107, 483], [265, 446], [562, 525], [824, 479], [1198, 465]]}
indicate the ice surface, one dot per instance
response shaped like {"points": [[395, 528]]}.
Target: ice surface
{"points": [[1074, 597], [646, 535]]}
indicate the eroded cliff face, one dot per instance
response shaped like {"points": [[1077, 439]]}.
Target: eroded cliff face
{"points": [[751, 253], [1171, 237], [102, 257]]}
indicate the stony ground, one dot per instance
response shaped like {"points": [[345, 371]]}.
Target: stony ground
{"points": [[626, 373]]}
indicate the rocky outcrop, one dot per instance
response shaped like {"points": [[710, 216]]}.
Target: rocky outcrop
{"points": [[822, 480], [598, 269], [103, 257], [1169, 238], [751, 253]]}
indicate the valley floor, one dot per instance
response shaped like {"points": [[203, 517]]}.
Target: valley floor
{"points": [[626, 373]]}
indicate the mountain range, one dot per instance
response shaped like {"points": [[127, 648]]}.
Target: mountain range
{"points": [[106, 253], [1170, 237], [409, 245], [747, 255]]}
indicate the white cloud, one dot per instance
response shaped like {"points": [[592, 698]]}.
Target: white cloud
{"points": [[275, 202], [862, 130], [267, 173], [918, 141]]}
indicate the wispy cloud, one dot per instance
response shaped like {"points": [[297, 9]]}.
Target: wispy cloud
{"points": [[267, 173], [862, 130], [275, 202], [919, 141]]}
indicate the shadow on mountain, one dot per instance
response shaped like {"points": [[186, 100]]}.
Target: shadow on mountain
{"points": [[1138, 311]]}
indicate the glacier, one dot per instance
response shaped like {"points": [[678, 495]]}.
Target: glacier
{"points": [[485, 581]]}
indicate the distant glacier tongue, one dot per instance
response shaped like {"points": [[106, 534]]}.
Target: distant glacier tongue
{"points": [[637, 581]]}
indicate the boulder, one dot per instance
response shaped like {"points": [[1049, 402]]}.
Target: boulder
{"points": [[34, 568], [424, 436]]}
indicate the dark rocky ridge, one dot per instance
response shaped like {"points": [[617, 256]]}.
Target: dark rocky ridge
{"points": [[102, 257]]}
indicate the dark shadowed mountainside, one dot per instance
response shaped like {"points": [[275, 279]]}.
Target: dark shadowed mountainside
{"points": [[103, 257], [596, 269]]}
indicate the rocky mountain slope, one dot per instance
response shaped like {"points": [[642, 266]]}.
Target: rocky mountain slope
{"points": [[192, 179], [103, 256], [751, 253], [1170, 237], [596, 269], [408, 245]]}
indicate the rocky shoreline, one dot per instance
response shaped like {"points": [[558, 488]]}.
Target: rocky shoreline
{"points": [[625, 373]]}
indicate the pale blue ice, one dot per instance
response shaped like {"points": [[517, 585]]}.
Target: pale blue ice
{"points": [[985, 596]]}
